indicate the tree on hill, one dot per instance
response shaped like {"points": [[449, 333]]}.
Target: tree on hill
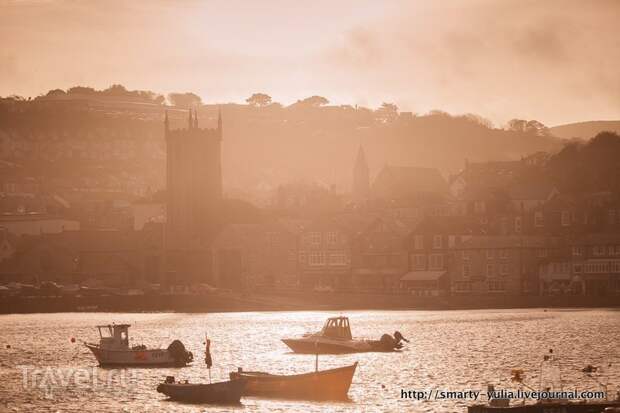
{"points": [[259, 99], [588, 167], [387, 112], [528, 126], [313, 101], [81, 90], [56, 93], [185, 100], [115, 90]]}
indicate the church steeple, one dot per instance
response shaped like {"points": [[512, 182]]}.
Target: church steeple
{"points": [[361, 176], [219, 122]]}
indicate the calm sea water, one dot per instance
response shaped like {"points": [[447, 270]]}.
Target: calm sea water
{"points": [[449, 350]]}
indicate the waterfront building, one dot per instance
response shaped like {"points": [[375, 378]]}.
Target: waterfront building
{"points": [[501, 264]]}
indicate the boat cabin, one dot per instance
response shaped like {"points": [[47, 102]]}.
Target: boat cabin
{"points": [[114, 336], [337, 327]]}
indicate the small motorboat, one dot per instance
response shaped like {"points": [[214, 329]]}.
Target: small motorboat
{"points": [[330, 384], [336, 338], [114, 350], [225, 392]]}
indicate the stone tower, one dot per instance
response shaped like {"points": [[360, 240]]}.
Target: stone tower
{"points": [[194, 195]]}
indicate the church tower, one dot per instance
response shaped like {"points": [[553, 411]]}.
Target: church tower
{"points": [[194, 197], [361, 177]]}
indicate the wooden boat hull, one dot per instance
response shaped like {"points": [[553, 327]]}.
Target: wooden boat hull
{"points": [[152, 357], [331, 384], [590, 407], [226, 392], [334, 346]]}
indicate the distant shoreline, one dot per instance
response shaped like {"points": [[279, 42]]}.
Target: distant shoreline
{"points": [[291, 301]]}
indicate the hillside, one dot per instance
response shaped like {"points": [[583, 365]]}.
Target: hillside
{"points": [[585, 130], [263, 146]]}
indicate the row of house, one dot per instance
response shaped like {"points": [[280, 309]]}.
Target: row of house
{"points": [[486, 230], [435, 256]]}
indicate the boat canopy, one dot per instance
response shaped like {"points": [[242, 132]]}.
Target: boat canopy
{"points": [[114, 334], [337, 327]]}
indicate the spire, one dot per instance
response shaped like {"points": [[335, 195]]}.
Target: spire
{"points": [[195, 119], [189, 121], [219, 122], [166, 123]]}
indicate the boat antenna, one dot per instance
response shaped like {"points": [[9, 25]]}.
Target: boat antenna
{"points": [[316, 360]]}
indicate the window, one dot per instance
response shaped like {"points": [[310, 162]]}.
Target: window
{"points": [[465, 255], [577, 268], [490, 254], [419, 262], [437, 241], [332, 238], [302, 256], [565, 219], [504, 254], [518, 225], [496, 285], [315, 238], [464, 286], [490, 270], [504, 269], [418, 242], [436, 262], [316, 258], [542, 252], [577, 250], [538, 219], [466, 271], [617, 249], [451, 241], [338, 259]]}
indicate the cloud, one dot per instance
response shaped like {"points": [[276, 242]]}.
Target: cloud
{"points": [[502, 59], [555, 61]]}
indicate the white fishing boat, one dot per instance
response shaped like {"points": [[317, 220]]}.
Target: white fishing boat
{"points": [[114, 350], [335, 338]]}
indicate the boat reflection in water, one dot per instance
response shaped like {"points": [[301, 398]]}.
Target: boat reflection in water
{"points": [[336, 338]]}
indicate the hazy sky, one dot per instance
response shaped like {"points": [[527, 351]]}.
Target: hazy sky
{"points": [[555, 61]]}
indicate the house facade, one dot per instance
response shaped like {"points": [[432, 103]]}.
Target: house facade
{"points": [[500, 264]]}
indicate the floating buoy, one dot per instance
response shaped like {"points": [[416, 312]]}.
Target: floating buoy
{"points": [[73, 339]]}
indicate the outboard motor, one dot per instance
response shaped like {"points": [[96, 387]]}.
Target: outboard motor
{"points": [[389, 343], [399, 337], [178, 352]]}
